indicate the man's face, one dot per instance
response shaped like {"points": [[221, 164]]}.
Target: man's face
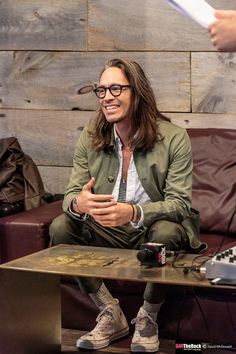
{"points": [[115, 109]]}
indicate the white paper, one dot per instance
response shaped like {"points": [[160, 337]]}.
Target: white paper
{"points": [[198, 10]]}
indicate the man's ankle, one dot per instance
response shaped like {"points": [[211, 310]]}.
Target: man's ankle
{"points": [[152, 309], [102, 297]]}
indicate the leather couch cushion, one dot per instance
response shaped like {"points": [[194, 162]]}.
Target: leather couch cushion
{"points": [[214, 178], [26, 232], [217, 243]]}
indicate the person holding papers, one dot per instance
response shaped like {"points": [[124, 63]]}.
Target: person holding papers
{"points": [[221, 24], [223, 30]]}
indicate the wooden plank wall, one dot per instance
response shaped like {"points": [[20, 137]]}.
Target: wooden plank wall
{"points": [[49, 49]]}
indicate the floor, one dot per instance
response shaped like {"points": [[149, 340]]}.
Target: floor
{"points": [[70, 336]]}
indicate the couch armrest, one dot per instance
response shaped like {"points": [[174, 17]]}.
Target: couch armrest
{"points": [[26, 232]]}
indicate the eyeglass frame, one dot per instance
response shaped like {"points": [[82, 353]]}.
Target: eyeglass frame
{"points": [[109, 88]]}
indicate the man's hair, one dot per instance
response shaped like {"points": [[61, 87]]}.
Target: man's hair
{"points": [[145, 115]]}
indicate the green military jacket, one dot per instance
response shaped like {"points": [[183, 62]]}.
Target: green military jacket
{"points": [[165, 173]]}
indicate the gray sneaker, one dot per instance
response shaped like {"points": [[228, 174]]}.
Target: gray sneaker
{"points": [[145, 338], [111, 325]]}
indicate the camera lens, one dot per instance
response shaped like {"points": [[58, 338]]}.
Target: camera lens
{"points": [[145, 255]]}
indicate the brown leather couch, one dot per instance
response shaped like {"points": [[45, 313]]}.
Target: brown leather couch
{"points": [[189, 314]]}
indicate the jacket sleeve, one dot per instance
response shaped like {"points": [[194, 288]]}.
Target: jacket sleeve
{"points": [[80, 172], [172, 195]]}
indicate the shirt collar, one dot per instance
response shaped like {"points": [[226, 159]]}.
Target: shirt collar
{"points": [[117, 138]]}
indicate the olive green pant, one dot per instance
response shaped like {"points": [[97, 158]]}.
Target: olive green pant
{"points": [[69, 230]]}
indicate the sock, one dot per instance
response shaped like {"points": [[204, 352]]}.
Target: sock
{"points": [[102, 297], [152, 309]]}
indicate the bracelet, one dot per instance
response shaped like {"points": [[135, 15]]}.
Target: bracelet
{"points": [[133, 212], [137, 215]]}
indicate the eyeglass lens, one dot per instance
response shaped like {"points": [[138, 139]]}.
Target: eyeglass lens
{"points": [[115, 90]]}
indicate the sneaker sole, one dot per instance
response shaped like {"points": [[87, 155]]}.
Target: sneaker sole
{"points": [[138, 348], [86, 344]]}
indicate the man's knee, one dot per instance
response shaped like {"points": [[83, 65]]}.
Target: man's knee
{"points": [[58, 231], [169, 233]]}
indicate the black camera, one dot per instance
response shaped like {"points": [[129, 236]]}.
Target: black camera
{"points": [[152, 254]]}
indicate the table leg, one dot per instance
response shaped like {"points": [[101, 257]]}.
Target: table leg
{"points": [[30, 312]]}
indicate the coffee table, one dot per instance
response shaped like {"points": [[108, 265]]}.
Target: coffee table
{"points": [[30, 306]]}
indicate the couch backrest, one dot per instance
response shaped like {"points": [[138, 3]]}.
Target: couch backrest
{"points": [[214, 178]]}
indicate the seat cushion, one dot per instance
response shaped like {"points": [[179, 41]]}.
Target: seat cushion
{"points": [[214, 182], [26, 232]]}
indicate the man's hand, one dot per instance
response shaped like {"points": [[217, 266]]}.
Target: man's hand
{"points": [[86, 200], [102, 207], [114, 215], [223, 31]]}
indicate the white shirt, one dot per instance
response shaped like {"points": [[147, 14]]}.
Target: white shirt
{"points": [[135, 193]]}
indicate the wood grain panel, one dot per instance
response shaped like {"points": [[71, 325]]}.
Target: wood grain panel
{"points": [[50, 80], [194, 120], [144, 25], [43, 25], [55, 179], [48, 137], [214, 82]]}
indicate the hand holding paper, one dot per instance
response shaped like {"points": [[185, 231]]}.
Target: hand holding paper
{"points": [[198, 10], [223, 31]]}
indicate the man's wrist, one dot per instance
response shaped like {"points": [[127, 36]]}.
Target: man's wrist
{"points": [[74, 207]]}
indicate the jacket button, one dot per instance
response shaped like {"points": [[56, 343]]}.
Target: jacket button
{"points": [[110, 179]]}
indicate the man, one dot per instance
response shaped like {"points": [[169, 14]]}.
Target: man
{"points": [[223, 31], [130, 183]]}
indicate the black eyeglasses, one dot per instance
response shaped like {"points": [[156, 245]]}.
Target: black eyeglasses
{"points": [[115, 90]]}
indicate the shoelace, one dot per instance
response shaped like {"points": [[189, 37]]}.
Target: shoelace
{"points": [[138, 322], [103, 320]]}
